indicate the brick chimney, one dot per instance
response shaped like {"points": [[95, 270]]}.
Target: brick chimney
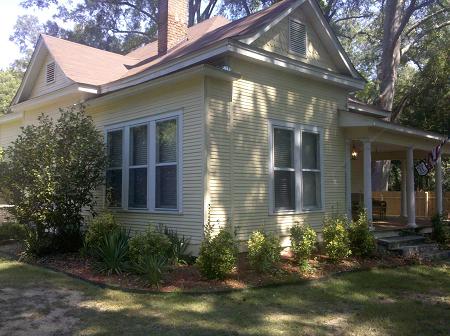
{"points": [[172, 23]]}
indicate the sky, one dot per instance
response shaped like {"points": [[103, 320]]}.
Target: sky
{"points": [[9, 11]]}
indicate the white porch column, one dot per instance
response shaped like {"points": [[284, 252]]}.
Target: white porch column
{"points": [[411, 199], [368, 179], [348, 178], [439, 205], [404, 206]]}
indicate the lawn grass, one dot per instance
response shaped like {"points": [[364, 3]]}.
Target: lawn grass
{"points": [[404, 301]]}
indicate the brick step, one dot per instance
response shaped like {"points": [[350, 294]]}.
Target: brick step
{"points": [[419, 250], [391, 243], [440, 254]]}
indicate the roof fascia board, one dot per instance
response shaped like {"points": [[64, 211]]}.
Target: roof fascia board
{"points": [[165, 69], [205, 70], [11, 117], [348, 119], [36, 53], [295, 66], [367, 110], [329, 32], [287, 11], [72, 90]]}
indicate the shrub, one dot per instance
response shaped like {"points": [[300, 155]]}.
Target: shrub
{"points": [[12, 230], [335, 236], [263, 251], [36, 245], [362, 241], [112, 252], [441, 232], [98, 228], [150, 243], [151, 268], [303, 242], [179, 246], [217, 255], [50, 172]]}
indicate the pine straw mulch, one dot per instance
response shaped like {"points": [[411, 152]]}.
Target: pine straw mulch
{"points": [[187, 278]]}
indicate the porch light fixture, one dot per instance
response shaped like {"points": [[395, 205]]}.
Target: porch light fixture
{"points": [[354, 153]]}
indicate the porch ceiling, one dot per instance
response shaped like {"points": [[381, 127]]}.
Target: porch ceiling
{"points": [[389, 139]]}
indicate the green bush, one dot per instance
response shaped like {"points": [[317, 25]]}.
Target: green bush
{"points": [[263, 251], [336, 240], [441, 232], [98, 228], [217, 255], [362, 241], [178, 253], [35, 244], [112, 252], [149, 243], [303, 242], [12, 230], [151, 268]]}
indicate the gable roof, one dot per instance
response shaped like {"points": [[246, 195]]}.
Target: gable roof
{"points": [[86, 65]]}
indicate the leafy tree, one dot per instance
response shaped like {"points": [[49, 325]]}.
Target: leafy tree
{"points": [[9, 83], [49, 174]]}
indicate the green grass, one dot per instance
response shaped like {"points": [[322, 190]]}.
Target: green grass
{"points": [[403, 301]]}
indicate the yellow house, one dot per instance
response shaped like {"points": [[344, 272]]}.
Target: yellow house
{"points": [[245, 123]]}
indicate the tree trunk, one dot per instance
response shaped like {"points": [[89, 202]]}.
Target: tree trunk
{"points": [[387, 76]]}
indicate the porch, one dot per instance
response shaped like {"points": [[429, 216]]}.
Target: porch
{"points": [[369, 140]]}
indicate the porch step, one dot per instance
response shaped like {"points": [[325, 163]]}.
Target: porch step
{"points": [[395, 242], [388, 233], [420, 250]]}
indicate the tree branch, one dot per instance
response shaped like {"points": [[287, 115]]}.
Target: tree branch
{"points": [[352, 17], [425, 19], [127, 3]]}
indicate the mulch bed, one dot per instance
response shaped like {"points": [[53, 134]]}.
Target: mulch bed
{"points": [[187, 278]]}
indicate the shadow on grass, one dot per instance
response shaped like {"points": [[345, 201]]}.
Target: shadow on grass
{"points": [[404, 301]]}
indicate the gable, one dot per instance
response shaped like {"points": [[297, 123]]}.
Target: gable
{"points": [[40, 85], [276, 40]]}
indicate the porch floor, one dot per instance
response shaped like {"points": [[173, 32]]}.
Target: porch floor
{"points": [[394, 223]]}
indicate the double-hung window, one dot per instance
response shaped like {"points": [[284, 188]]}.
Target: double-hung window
{"points": [[144, 164], [295, 168]]}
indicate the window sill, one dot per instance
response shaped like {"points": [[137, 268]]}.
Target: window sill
{"points": [[145, 211], [290, 213]]}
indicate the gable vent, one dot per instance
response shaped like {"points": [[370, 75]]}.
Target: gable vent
{"points": [[297, 37], [50, 73]]}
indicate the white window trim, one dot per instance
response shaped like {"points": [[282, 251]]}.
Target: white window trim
{"points": [[54, 73], [151, 167], [305, 55], [298, 129]]}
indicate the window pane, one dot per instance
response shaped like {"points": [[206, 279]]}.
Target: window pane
{"points": [[284, 190], [311, 189], [166, 149], [114, 188], [114, 147], [138, 145], [310, 150], [137, 197], [166, 187], [283, 143]]}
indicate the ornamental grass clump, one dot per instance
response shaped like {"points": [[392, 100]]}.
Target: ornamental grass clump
{"points": [[335, 237], [112, 252], [263, 251], [303, 243], [362, 240], [218, 254]]}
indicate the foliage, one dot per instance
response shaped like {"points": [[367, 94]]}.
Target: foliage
{"points": [[179, 249], [36, 244], [99, 226], [218, 255], [362, 241], [336, 240], [151, 268], [12, 230], [50, 173], [112, 252], [149, 243], [441, 232], [303, 242], [263, 251], [9, 83]]}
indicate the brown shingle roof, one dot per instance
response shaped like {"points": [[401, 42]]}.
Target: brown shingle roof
{"points": [[88, 65]]}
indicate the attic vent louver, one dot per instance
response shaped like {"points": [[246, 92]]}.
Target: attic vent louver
{"points": [[50, 73], [297, 37]]}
